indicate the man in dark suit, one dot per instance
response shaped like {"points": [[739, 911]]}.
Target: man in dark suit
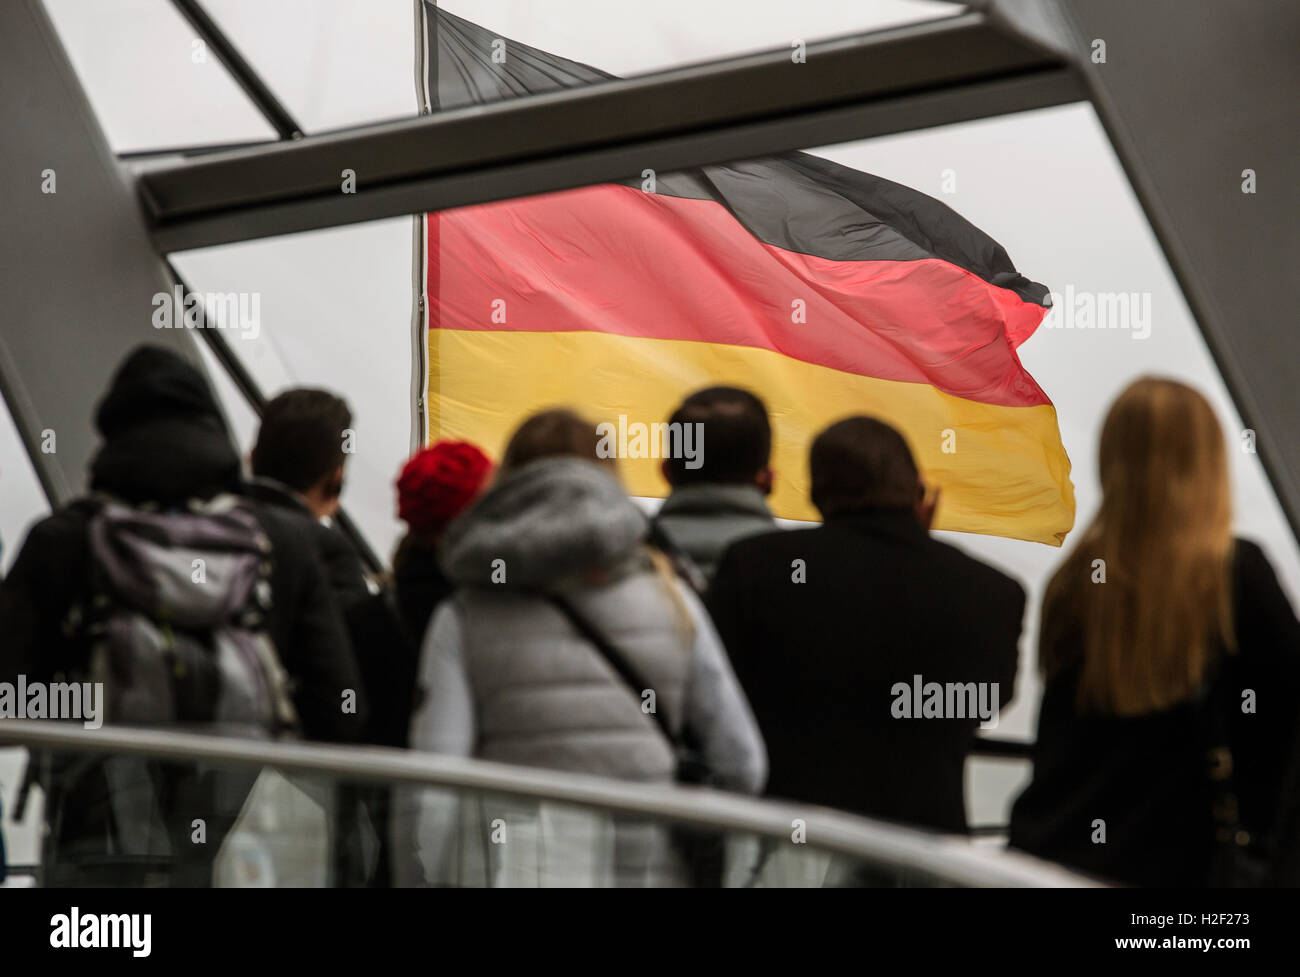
{"points": [[870, 652]]}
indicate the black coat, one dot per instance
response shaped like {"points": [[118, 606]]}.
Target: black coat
{"points": [[882, 603], [419, 585], [1145, 776]]}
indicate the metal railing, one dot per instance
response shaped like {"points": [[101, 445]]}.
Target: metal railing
{"points": [[950, 859]]}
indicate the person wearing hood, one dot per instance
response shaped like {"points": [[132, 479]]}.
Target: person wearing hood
{"points": [[165, 444], [507, 675]]}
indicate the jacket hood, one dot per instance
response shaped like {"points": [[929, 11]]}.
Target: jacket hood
{"points": [[165, 439], [551, 521]]}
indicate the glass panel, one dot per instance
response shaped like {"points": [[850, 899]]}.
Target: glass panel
{"points": [[470, 840], [149, 81], [332, 63], [639, 39], [239, 414], [133, 821], [334, 311], [992, 786]]}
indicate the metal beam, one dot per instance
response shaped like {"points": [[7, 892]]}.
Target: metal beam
{"points": [[1223, 102], [912, 77], [947, 857], [77, 269], [136, 156], [252, 393]]}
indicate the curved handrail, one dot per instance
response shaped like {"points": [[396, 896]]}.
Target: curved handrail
{"points": [[950, 859]]}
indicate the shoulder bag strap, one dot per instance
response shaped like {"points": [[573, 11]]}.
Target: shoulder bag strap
{"points": [[630, 676]]}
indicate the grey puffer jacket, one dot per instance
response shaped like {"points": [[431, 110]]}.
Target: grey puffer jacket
{"points": [[505, 676]]}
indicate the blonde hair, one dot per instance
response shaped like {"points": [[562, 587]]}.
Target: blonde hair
{"points": [[663, 568], [1164, 532]]}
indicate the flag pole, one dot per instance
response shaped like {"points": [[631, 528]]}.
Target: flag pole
{"points": [[422, 226]]}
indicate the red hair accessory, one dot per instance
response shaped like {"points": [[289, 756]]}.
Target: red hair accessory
{"points": [[438, 483]]}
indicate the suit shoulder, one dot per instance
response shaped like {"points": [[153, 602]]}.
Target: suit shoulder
{"points": [[764, 544], [981, 574]]}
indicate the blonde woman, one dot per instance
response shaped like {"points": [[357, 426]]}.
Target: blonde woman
{"points": [[1166, 738]]}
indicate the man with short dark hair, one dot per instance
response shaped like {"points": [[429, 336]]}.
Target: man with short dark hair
{"points": [[862, 462], [869, 651], [720, 500], [298, 465]]}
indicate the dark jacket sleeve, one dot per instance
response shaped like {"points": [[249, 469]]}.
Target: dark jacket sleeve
{"points": [[323, 665], [388, 659], [310, 634], [725, 601], [1268, 641], [1266, 623], [34, 599], [343, 569], [23, 609]]}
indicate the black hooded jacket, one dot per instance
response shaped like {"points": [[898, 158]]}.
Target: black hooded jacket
{"points": [[165, 443]]}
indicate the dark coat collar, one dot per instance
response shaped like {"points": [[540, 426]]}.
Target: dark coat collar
{"points": [[895, 522], [276, 493]]}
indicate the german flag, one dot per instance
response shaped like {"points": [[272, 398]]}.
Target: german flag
{"points": [[825, 290]]}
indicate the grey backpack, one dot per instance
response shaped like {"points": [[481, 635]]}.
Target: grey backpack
{"points": [[177, 619]]}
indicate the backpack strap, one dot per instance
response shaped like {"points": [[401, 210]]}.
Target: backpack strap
{"points": [[75, 623]]}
